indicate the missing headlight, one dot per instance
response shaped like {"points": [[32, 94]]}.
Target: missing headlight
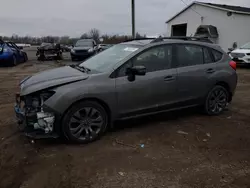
{"points": [[46, 95]]}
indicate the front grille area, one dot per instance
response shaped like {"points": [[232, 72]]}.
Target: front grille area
{"points": [[237, 55], [81, 51]]}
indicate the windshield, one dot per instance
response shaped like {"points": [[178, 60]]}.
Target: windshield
{"points": [[105, 60], [84, 43], [246, 46]]}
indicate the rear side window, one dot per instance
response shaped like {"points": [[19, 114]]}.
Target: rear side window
{"points": [[217, 55], [207, 56], [189, 55]]}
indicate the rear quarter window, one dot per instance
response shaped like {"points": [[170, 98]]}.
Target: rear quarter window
{"points": [[217, 55], [208, 57]]}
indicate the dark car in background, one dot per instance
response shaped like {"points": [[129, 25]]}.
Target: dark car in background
{"points": [[131, 79], [49, 51], [11, 54], [83, 49]]}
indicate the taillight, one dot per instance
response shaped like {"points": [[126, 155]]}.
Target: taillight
{"points": [[233, 65]]}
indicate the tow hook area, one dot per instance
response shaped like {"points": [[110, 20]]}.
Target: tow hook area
{"points": [[45, 121]]}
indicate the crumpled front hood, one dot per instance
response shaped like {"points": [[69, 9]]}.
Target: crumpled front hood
{"points": [[51, 78]]}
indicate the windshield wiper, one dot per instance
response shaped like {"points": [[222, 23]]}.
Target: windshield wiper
{"points": [[80, 68]]}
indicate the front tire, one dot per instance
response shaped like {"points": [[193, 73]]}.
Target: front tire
{"points": [[85, 122], [13, 61], [216, 101], [25, 57]]}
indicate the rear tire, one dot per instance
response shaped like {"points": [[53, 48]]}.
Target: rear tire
{"points": [[85, 122], [216, 101]]}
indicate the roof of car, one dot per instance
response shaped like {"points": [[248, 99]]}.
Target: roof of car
{"points": [[164, 40], [146, 41], [139, 42]]}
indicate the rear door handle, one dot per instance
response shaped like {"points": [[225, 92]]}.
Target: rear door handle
{"points": [[210, 71], [169, 78]]}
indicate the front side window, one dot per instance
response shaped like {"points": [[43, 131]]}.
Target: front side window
{"points": [[189, 55], [155, 59]]}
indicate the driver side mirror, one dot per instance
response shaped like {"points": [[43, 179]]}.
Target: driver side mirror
{"points": [[131, 72]]}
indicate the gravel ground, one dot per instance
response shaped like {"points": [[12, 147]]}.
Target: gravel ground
{"points": [[179, 149]]}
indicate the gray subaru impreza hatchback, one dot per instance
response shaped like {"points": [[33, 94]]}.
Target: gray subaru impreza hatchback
{"points": [[131, 79]]}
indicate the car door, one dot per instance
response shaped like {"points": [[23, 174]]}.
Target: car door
{"points": [[195, 73], [151, 92]]}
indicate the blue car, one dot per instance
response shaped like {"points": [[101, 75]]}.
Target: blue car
{"points": [[11, 54]]}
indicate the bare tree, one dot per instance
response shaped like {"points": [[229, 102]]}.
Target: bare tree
{"points": [[94, 34], [64, 40], [84, 36]]}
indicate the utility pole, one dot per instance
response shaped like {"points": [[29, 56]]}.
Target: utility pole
{"points": [[133, 17]]}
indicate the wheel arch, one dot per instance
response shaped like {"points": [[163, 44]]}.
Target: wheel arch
{"points": [[227, 87], [99, 101]]}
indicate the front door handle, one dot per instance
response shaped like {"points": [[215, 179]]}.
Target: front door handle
{"points": [[210, 71], [169, 78]]}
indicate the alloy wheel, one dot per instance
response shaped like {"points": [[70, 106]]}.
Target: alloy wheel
{"points": [[86, 123], [217, 101]]}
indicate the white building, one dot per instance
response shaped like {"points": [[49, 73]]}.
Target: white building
{"points": [[224, 24]]}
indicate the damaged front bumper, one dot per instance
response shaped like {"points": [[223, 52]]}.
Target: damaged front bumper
{"points": [[34, 123]]}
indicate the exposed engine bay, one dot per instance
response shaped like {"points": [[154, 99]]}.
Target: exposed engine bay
{"points": [[31, 114]]}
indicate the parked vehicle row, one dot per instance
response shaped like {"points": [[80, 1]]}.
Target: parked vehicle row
{"points": [[11, 54], [131, 79], [83, 49], [241, 55], [49, 51]]}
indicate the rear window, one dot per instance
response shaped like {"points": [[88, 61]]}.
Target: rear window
{"points": [[217, 55]]}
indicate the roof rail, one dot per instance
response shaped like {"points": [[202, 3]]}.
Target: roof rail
{"points": [[201, 39], [140, 39]]}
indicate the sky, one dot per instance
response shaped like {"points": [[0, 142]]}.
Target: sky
{"points": [[75, 17]]}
